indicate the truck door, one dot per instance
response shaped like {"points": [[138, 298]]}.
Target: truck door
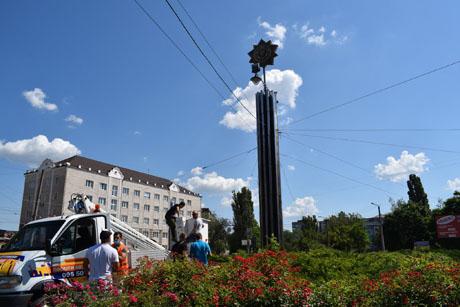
{"points": [[68, 251]]}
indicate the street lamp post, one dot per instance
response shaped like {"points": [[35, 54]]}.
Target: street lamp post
{"points": [[382, 236]]}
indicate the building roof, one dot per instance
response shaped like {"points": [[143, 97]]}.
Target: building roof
{"points": [[103, 168]]}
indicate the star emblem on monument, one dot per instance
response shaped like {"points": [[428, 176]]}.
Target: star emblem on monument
{"points": [[263, 53]]}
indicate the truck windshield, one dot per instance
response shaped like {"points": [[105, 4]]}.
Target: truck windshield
{"points": [[33, 236]]}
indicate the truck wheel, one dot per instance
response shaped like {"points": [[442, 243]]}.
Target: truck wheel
{"points": [[37, 301]]}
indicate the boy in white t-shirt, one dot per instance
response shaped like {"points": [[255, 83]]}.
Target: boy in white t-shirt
{"points": [[103, 258]]}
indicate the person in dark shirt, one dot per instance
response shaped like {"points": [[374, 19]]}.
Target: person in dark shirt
{"points": [[179, 250], [170, 217]]}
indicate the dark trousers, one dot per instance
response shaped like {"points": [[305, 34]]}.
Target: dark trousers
{"points": [[171, 222]]}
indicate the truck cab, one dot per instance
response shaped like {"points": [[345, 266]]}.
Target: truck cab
{"points": [[47, 250]]}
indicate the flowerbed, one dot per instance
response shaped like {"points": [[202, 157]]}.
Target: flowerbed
{"points": [[269, 278]]}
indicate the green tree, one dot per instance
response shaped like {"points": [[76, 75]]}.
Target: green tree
{"points": [[217, 232], [304, 238], [346, 232], [417, 194], [244, 224], [409, 221], [405, 225]]}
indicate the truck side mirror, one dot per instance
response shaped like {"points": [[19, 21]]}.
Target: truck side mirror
{"points": [[53, 249]]}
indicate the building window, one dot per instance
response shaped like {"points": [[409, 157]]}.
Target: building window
{"points": [[90, 197], [181, 200], [155, 234], [136, 206], [165, 198], [103, 186], [124, 218], [136, 219], [113, 204], [165, 209], [189, 202], [182, 212], [147, 195], [124, 204], [189, 213], [146, 207], [145, 232], [137, 193], [173, 200], [114, 190], [157, 196], [156, 209], [113, 214], [146, 220], [125, 191], [101, 201], [89, 183], [165, 235], [156, 221]]}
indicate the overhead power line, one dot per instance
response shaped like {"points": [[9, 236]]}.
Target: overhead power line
{"points": [[207, 59], [337, 174], [379, 91], [327, 154], [229, 158], [171, 40], [287, 183], [379, 130], [373, 143], [207, 42]]}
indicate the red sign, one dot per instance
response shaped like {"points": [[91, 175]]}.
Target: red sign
{"points": [[448, 226]]}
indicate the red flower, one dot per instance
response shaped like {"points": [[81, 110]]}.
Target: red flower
{"points": [[405, 300], [172, 296], [132, 299]]}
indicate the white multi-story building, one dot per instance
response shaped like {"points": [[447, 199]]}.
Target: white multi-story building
{"points": [[141, 200]]}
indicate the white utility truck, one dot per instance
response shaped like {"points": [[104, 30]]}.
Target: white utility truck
{"points": [[53, 249]]}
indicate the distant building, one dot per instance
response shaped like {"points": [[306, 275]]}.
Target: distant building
{"points": [[297, 225], [372, 226], [141, 200]]}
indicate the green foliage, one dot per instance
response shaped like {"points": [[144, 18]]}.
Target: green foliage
{"points": [[244, 224], [217, 233], [321, 277], [405, 225], [346, 232], [417, 194]]}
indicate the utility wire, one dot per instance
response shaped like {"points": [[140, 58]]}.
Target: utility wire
{"points": [[287, 182], [207, 42], [374, 143], [381, 130], [179, 49], [327, 154], [384, 89], [171, 40], [338, 174], [229, 158], [206, 58]]}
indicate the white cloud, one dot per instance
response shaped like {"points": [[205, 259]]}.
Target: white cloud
{"points": [[454, 184], [291, 167], [197, 171], [277, 33], [36, 98], [137, 132], [301, 207], [226, 201], [319, 37], [213, 183], [399, 169], [33, 151], [74, 119], [285, 82], [180, 173]]}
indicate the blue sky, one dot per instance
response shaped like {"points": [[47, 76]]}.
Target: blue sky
{"points": [[138, 103]]}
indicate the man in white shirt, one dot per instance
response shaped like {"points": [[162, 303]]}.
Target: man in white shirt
{"points": [[102, 258], [197, 225]]}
